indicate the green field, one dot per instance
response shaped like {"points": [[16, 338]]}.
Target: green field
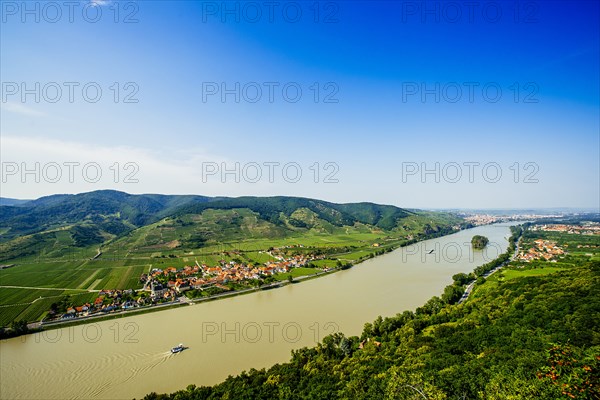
{"points": [[30, 305], [297, 272], [58, 276], [517, 273], [325, 263]]}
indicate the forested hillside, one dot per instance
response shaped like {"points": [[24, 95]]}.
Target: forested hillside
{"points": [[54, 226]]}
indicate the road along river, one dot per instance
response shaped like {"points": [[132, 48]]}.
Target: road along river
{"points": [[130, 357]]}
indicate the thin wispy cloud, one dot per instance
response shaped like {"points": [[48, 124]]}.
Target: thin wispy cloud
{"points": [[151, 171], [97, 3], [18, 108]]}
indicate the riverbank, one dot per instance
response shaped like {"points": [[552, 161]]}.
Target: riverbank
{"points": [[513, 248], [38, 326]]}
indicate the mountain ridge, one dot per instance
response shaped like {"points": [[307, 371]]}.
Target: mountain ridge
{"points": [[51, 224]]}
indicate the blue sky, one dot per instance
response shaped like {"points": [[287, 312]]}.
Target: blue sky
{"points": [[366, 55]]}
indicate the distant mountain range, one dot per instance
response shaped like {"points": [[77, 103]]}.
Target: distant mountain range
{"points": [[121, 210], [94, 218], [524, 211], [5, 201]]}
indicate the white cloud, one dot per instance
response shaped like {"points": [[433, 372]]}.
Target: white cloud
{"points": [[19, 108], [32, 167]]}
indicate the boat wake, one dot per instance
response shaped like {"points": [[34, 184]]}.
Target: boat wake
{"points": [[101, 375]]}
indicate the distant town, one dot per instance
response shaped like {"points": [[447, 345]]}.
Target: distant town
{"points": [[485, 219], [591, 228]]}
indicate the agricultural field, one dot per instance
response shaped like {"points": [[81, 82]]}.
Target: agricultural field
{"points": [[31, 304], [324, 263], [298, 272], [37, 285]]}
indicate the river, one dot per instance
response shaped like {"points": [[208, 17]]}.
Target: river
{"points": [[130, 357]]}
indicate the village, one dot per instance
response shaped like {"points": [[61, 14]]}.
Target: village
{"points": [[171, 281], [543, 249], [171, 284]]}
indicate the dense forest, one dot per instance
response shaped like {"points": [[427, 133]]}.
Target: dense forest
{"points": [[531, 337]]}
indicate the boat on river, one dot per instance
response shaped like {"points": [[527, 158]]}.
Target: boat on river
{"points": [[177, 349]]}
